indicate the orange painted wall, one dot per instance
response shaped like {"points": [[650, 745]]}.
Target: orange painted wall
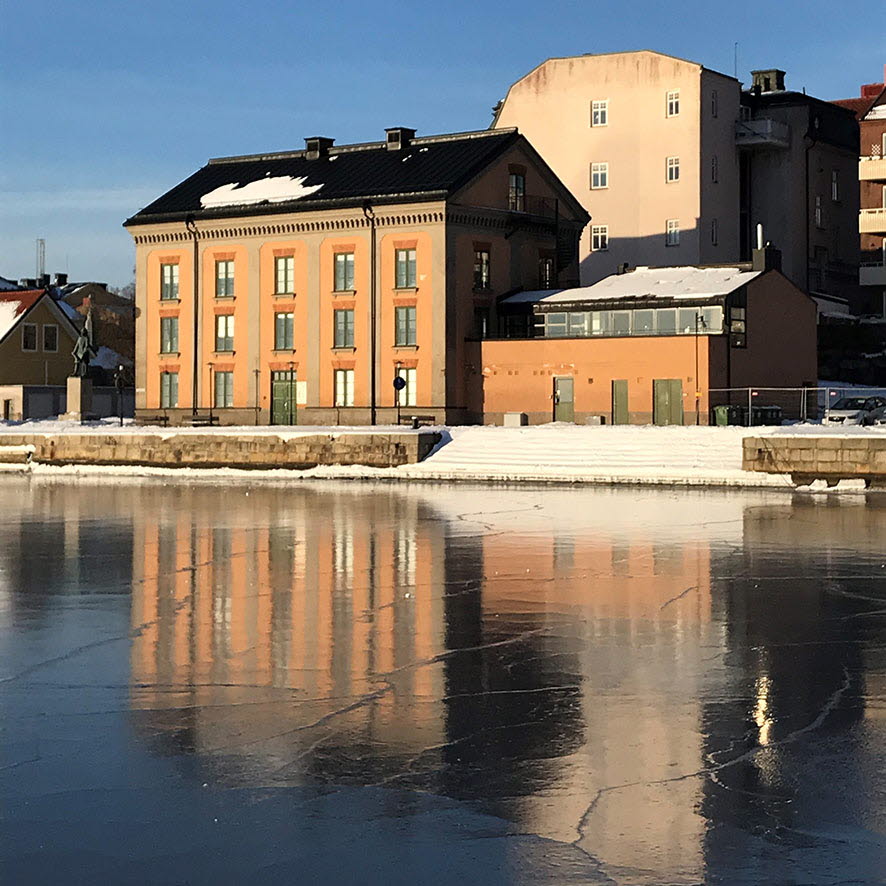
{"points": [[518, 375], [184, 310]]}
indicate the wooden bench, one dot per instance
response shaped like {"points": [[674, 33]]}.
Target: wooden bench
{"points": [[201, 420], [154, 420]]}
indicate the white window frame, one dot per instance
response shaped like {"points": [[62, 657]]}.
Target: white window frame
{"points": [[599, 238], [36, 338], [600, 112], [599, 176], [284, 274], [672, 103], [672, 170], [409, 395], [343, 387], [43, 338], [672, 232]]}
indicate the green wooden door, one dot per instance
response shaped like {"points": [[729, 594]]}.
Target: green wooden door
{"points": [[620, 401], [283, 411], [667, 401], [564, 402]]}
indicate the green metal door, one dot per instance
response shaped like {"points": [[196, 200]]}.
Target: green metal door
{"points": [[283, 410], [667, 401], [620, 401], [564, 403]]}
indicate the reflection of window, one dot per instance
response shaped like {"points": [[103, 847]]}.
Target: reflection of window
{"points": [[405, 557], [409, 395]]}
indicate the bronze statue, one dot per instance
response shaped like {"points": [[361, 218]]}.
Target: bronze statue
{"points": [[82, 354]]}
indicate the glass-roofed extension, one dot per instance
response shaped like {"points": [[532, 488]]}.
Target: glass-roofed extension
{"points": [[695, 320]]}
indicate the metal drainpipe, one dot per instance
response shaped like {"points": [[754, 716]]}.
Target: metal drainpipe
{"points": [[373, 356], [192, 230]]}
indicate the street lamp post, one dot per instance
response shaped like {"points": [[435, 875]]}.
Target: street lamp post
{"points": [[211, 389]]}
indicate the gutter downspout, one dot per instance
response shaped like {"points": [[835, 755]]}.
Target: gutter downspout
{"points": [[373, 319], [192, 230]]}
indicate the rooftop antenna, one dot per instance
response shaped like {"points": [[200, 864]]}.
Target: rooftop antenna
{"points": [[41, 258], [735, 60]]}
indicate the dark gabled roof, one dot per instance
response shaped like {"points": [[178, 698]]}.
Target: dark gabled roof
{"points": [[427, 168]]}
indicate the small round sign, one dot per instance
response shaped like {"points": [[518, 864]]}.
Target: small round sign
{"points": [[399, 383]]}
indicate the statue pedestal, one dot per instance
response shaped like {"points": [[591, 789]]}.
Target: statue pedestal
{"points": [[79, 399]]}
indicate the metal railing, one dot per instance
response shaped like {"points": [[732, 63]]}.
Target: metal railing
{"points": [[773, 406]]}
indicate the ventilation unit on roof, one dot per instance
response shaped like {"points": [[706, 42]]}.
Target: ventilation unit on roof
{"points": [[317, 146], [398, 137]]}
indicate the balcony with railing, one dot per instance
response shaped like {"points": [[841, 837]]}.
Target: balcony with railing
{"points": [[763, 132], [872, 168], [872, 221], [872, 273], [543, 207]]}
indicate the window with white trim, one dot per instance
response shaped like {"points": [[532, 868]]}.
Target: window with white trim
{"points": [[672, 232], [599, 238], [599, 175], [284, 274], [673, 170], [409, 394], [344, 387], [673, 103], [600, 112]]}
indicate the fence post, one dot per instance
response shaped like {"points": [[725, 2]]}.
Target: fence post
{"points": [[750, 407], [802, 404]]}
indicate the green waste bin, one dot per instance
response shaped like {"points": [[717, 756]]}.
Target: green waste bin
{"points": [[721, 416]]}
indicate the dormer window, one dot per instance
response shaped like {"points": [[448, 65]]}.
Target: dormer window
{"points": [[517, 192], [398, 137]]}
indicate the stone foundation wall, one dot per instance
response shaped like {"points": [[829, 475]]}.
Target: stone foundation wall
{"points": [[214, 450], [812, 458]]}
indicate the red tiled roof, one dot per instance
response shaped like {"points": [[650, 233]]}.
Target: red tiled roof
{"points": [[26, 298], [860, 106]]}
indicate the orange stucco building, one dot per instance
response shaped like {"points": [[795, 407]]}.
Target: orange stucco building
{"points": [[295, 287], [652, 345]]}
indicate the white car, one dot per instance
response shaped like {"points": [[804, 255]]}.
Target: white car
{"points": [[857, 411]]}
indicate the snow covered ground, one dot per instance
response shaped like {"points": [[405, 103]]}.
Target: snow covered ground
{"points": [[563, 453]]}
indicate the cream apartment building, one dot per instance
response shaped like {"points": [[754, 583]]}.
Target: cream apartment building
{"points": [[647, 142]]}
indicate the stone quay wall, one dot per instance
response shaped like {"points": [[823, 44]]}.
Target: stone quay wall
{"points": [[215, 450], [818, 458]]}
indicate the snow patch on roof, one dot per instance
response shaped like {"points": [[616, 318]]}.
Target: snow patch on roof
{"points": [[273, 189], [8, 285], [682, 282], [108, 358], [9, 311]]}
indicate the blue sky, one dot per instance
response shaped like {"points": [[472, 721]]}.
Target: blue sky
{"points": [[105, 105]]}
